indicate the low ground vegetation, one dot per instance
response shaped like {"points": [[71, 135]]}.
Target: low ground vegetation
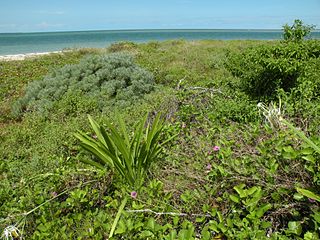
{"points": [[231, 170]]}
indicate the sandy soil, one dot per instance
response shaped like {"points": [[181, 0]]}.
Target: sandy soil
{"points": [[24, 56]]}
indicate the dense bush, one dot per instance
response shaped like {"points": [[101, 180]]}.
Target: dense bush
{"points": [[101, 78], [297, 32], [265, 69]]}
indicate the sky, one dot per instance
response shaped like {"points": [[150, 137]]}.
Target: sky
{"points": [[78, 15]]}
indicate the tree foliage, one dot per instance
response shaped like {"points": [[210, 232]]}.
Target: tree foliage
{"points": [[297, 32]]}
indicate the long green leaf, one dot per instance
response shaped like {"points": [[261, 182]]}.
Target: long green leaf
{"points": [[140, 146], [123, 130], [118, 141], [93, 148], [308, 194], [303, 136], [96, 128], [109, 144], [116, 145], [93, 163], [115, 222]]}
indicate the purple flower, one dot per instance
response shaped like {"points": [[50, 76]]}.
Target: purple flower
{"points": [[311, 200], [134, 194], [209, 167], [216, 148]]}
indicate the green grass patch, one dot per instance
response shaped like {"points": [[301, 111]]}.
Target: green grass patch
{"points": [[226, 175]]}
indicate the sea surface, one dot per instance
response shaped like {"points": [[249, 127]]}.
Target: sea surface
{"points": [[20, 43]]}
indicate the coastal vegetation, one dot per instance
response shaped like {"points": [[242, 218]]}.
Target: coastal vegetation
{"points": [[184, 140]]}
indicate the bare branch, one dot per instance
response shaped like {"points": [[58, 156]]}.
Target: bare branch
{"points": [[168, 213]]}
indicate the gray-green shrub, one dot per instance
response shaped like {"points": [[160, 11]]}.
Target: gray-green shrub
{"points": [[99, 78]]}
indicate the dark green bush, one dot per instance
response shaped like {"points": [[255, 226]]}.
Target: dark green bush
{"points": [[102, 78], [265, 69]]}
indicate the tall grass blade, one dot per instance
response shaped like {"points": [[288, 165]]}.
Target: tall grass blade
{"points": [[116, 220]]}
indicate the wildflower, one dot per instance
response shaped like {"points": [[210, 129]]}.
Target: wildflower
{"points": [[134, 194], [54, 194], [94, 136], [216, 148], [311, 200], [11, 232], [209, 167]]}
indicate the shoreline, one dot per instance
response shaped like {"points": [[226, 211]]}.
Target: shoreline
{"points": [[23, 56]]}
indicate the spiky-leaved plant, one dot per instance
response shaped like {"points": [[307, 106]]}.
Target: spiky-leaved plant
{"points": [[130, 158]]}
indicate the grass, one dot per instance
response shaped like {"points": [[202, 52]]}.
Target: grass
{"points": [[246, 190]]}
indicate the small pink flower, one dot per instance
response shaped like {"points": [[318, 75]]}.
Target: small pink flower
{"points": [[216, 148], [134, 194], [54, 194], [94, 136], [311, 200], [209, 167]]}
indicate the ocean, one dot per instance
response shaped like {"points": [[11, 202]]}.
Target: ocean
{"points": [[20, 43]]}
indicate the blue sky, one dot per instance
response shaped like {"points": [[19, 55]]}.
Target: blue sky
{"points": [[69, 15]]}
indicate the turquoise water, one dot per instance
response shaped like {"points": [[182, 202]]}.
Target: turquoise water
{"points": [[18, 43]]}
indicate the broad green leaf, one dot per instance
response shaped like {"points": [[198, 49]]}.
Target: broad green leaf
{"points": [[295, 227], [288, 149], [213, 225], [251, 190], [240, 191], [261, 210], [234, 198], [310, 236], [145, 234], [172, 235], [307, 151], [151, 224], [298, 196]]}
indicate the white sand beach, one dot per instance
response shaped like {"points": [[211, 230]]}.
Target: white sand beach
{"points": [[24, 56]]}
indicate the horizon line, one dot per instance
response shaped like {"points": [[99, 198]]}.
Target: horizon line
{"points": [[159, 29], [152, 29]]}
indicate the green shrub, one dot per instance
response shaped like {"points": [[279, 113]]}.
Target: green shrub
{"points": [[122, 46], [265, 69], [102, 78], [297, 32]]}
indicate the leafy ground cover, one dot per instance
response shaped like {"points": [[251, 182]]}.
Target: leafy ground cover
{"points": [[226, 173]]}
